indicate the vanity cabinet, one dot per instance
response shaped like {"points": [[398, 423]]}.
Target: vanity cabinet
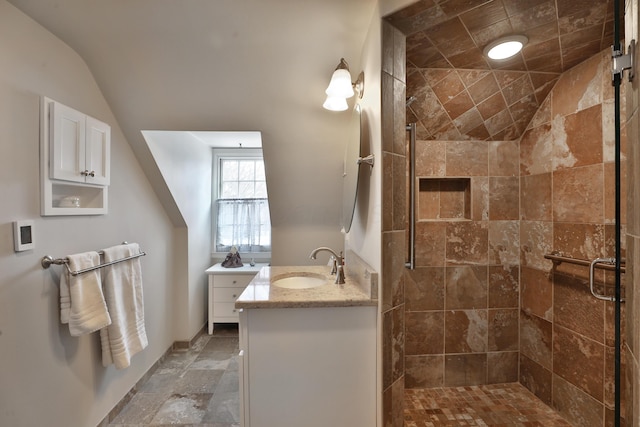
{"points": [[310, 366], [75, 152], [225, 286]]}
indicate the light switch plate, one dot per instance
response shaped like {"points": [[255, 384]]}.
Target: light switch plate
{"points": [[23, 236]]}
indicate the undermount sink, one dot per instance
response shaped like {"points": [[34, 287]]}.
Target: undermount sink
{"points": [[299, 281]]}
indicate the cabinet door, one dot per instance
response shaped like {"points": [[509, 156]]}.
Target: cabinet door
{"points": [[97, 156], [67, 143]]}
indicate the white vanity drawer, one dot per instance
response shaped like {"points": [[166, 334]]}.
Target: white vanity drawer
{"points": [[225, 310], [226, 294], [232, 280]]}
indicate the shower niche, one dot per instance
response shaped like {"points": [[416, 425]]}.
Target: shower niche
{"points": [[444, 199]]}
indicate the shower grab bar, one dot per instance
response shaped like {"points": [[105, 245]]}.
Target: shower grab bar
{"points": [[48, 260], [558, 259], [602, 263], [411, 128]]}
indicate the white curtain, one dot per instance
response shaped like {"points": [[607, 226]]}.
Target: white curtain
{"points": [[245, 224]]}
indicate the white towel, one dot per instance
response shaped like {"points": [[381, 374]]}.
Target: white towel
{"points": [[122, 282], [82, 304]]}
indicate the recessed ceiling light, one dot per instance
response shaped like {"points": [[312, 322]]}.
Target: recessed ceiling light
{"points": [[505, 47]]}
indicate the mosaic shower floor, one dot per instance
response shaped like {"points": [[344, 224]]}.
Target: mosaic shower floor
{"points": [[488, 405]]}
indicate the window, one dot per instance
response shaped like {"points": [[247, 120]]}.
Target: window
{"points": [[241, 205]]}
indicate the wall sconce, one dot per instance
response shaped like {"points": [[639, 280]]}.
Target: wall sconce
{"points": [[340, 88], [505, 47]]}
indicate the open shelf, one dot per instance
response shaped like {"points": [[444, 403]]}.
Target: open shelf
{"points": [[444, 199]]}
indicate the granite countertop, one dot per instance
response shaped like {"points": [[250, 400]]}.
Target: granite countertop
{"points": [[261, 294]]}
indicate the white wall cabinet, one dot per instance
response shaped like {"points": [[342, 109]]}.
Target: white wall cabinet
{"points": [[79, 146], [75, 157], [312, 367]]}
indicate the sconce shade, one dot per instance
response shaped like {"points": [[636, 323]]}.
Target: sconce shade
{"points": [[340, 84], [335, 103]]}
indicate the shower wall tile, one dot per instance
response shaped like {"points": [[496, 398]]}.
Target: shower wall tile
{"points": [[576, 309], [424, 371], [393, 269], [430, 158], [387, 112], [586, 241], [504, 287], [579, 360], [425, 332], [609, 192], [536, 288], [609, 322], [535, 197], [399, 116], [578, 88], [466, 287], [536, 240], [609, 383], [467, 158], [387, 192], [393, 346], [465, 369], [467, 242], [393, 404], [503, 198], [399, 193], [424, 289], [430, 243], [576, 405], [578, 138], [536, 339], [502, 367], [466, 331], [536, 378], [504, 243], [504, 157], [503, 330], [578, 194], [479, 198], [536, 151]]}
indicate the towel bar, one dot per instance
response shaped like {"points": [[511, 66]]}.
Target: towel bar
{"points": [[48, 260]]}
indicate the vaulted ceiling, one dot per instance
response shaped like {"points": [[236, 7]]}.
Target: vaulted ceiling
{"points": [[460, 94]]}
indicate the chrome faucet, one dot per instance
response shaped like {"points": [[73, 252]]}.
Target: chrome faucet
{"points": [[338, 263]]}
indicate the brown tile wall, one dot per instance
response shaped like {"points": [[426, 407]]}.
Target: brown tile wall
{"points": [[393, 225], [461, 301], [566, 194]]}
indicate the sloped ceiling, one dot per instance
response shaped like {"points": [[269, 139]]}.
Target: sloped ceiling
{"points": [[226, 65], [459, 94]]}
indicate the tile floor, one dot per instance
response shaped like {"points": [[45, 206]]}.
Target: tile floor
{"points": [[489, 405], [198, 387]]}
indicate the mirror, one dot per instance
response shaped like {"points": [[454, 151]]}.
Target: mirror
{"points": [[351, 167]]}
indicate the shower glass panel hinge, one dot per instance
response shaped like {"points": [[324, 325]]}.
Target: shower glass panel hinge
{"points": [[624, 62]]}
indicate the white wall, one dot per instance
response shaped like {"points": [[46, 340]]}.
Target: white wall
{"points": [[46, 376], [185, 163]]}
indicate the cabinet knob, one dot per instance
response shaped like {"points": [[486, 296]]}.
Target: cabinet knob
{"points": [[92, 174], [87, 173], [235, 296], [235, 281]]}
